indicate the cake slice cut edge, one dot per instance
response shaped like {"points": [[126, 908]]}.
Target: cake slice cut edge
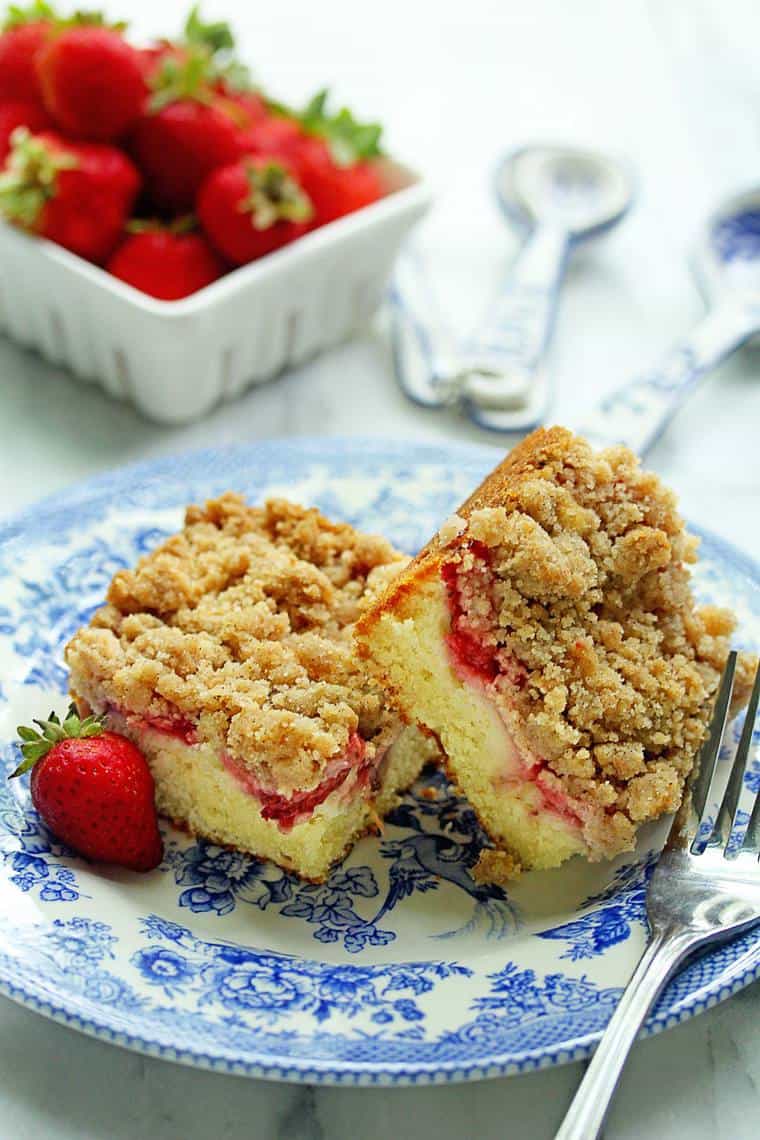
{"points": [[200, 794], [549, 639], [227, 656]]}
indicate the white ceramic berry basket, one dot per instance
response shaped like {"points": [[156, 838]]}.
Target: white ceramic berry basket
{"points": [[176, 360]]}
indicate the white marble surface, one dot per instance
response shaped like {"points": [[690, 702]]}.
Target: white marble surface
{"points": [[674, 85]]}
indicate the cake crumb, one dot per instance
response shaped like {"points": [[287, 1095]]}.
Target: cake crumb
{"points": [[499, 867]]}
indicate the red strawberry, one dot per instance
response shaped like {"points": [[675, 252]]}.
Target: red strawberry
{"points": [[253, 207], [245, 107], [92, 82], [19, 45], [14, 115], [275, 135], [177, 146], [196, 114], [165, 262], [335, 190], [331, 154], [93, 789], [76, 194], [201, 54]]}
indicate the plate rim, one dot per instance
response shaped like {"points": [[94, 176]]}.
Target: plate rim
{"points": [[333, 1071]]}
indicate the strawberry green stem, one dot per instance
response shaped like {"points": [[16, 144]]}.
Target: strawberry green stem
{"points": [[36, 13], [204, 63], [216, 36], [274, 196], [30, 177], [189, 77], [36, 744], [349, 140]]}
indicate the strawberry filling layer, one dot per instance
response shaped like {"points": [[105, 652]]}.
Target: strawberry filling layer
{"points": [[482, 665], [177, 726], [286, 811], [552, 798], [469, 655]]}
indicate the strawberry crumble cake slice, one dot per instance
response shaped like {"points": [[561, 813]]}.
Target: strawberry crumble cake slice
{"points": [[226, 655], [548, 637]]}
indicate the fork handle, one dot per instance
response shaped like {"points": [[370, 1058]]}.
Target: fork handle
{"points": [[586, 1114]]}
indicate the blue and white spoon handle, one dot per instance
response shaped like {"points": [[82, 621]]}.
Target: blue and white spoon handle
{"points": [[423, 348], [638, 413], [435, 371], [501, 364], [497, 374]]}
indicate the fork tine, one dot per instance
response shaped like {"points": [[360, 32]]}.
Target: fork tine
{"points": [[704, 791], [752, 835], [736, 792]]}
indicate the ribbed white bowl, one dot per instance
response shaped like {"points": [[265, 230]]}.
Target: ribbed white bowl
{"points": [[176, 360]]}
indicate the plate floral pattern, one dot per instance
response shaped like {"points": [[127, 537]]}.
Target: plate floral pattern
{"points": [[399, 969]]}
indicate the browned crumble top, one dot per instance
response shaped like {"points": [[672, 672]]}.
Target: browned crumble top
{"points": [[589, 597], [242, 623]]}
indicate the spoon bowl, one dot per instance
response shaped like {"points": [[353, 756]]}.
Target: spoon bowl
{"points": [[581, 192], [561, 196], [727, 257], [727, 268]]}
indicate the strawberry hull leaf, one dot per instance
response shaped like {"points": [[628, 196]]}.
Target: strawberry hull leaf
{"points": [[274, 196], [91, 18], [17, 15], [349, 140], [177, 79], [196, 73], [36, 744], [216, 36], [30, 177]]}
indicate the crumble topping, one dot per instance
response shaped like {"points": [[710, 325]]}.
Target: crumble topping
{"points": [[242, 624], [452, 528], [572, 580]]}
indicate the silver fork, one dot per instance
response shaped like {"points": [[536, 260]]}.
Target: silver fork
{"points": [[705, 887]]}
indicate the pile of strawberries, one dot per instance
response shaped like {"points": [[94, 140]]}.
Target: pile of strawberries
{"points": [[164, 165]]}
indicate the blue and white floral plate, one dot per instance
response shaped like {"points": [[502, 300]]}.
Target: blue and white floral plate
{"points": [[400, 969]]}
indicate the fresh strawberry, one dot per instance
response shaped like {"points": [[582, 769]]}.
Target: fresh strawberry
{"points": [[76, 194], [335, 190], [349, 140], [252, 207], [209, 46], [200, 104], [14, 115], [93, 789], [223, 72], [246, 107], [92, 82], [166, 262], [331, 153], [177, 146], [274, 136], [24, 33]]}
